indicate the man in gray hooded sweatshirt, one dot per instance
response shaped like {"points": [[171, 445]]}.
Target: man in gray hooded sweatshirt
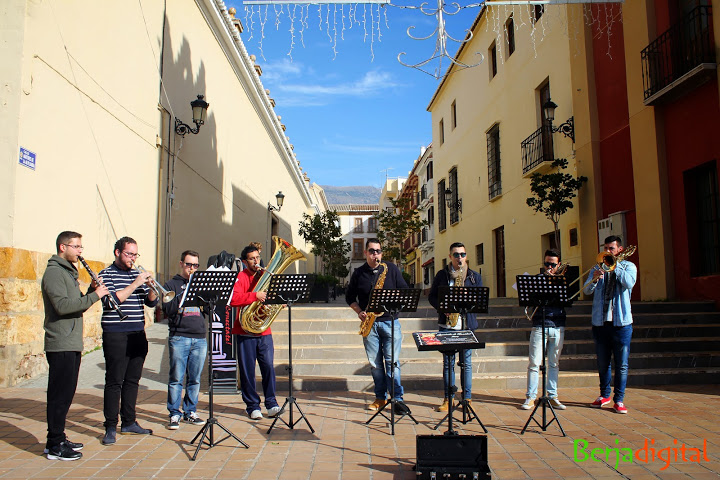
{"points": [[64, 307]]}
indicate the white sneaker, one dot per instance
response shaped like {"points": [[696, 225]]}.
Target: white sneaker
{"points": [[174, 422], [273, 411], [529, 403], [256, 415]]}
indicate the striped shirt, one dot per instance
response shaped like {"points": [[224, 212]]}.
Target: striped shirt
{"points": [[116, 279]]}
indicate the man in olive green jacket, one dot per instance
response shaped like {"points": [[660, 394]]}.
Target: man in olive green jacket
{"points": [[64, 307]]}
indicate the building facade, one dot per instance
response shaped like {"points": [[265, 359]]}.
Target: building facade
{"points": [[89, 143], [357, 223], [490, 134]]}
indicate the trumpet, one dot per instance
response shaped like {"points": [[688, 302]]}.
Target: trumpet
{"points": [[166, 295], [560, 270], [111, 300]]}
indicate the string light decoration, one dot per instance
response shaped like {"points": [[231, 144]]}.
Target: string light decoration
{"points": [[335, 17]]}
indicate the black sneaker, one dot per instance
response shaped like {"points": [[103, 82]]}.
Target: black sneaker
{"points": [[135, 429], [75, 446], [401, 408], [193, 419], [63, 452], [110, 436]]}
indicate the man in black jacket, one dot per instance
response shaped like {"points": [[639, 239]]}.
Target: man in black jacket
{"points": [[456, 271], [187, 346], [377, 343], [64, 306]]}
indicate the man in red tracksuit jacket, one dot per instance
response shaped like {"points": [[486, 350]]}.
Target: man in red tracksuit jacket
{"points": [[253, 347]]}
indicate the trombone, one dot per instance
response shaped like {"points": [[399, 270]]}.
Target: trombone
{"points": [[166, 295], [605, 261]]}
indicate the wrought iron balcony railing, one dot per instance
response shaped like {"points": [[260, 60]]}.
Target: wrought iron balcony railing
{"points": [[677, 51], [537, 148]]}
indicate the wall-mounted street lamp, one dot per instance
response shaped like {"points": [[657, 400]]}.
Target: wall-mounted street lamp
{"points": [[199, 114], [567, 128], [457, 205], [279, 198]]}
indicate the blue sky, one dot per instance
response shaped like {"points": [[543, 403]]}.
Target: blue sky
{"points": [[351, 109]]}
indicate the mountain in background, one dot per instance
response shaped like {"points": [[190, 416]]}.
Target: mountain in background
{"points": [[357, 195]]}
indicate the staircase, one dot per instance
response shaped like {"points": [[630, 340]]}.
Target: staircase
{"points": [[673, 343]]}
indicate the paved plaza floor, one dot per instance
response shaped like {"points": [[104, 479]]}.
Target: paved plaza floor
{"points": [[344, 447]]}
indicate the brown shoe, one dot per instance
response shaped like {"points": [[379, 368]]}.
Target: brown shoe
{"points": [[377, 404], [469, 402], [444, 407]]}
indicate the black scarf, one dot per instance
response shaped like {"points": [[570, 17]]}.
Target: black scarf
{"points": [[608, 291]]}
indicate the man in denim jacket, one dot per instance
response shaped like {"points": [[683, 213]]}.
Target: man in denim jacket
{"points": [[612, 323]]}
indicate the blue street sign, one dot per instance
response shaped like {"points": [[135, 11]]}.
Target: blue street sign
{"points": [[27, 158]]}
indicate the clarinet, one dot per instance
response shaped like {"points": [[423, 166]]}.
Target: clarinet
{"points": [[111, 300]]}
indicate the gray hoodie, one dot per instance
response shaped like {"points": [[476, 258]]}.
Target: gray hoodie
{"points": [[64, 306]]}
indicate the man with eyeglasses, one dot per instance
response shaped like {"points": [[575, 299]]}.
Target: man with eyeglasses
{"points": [[457, 273], [252, 347], [612, 324], [187, 346], [554, 323], [64, 307], [125, 345], [378, 342]]}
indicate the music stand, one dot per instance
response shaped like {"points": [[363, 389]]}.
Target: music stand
{"points": [[462, 300], [543, 291], [392, 302], [209, 289], [289, 289]]}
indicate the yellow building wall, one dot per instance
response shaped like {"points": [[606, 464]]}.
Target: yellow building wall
{"points": [[511, 100], [90, 104]]}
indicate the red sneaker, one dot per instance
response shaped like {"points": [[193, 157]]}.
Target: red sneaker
{"points": [[620, 407], [600, 402]]}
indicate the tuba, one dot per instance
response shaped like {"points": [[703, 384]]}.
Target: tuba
{"points": [[257, 317], [367, 324]]}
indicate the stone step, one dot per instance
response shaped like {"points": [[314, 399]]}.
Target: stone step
{"points": [[341, 352], [568, 379], [414, 324], [432, 364], [508, 308], [327, 337]]}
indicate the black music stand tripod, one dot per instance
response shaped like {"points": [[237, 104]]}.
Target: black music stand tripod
{"points": [[209, 289], [289, 289], [392, 302], [543, 291], [462, 300]]}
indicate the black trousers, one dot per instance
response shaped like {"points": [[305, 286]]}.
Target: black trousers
{"points": [[62, 382], [125, 354]]}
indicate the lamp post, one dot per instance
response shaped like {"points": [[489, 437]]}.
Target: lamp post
{"points": [[567, 128], [280, 199], [199, 115]]}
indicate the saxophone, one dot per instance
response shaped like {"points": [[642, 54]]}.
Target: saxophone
{"points": [[257, 317], [367, 324], [453, 318]]}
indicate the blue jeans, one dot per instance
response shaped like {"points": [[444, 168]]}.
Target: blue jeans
{"points": [[554, 337], [615, 341], [449, 371], [379, 358], [187, 355], [260, 349]]}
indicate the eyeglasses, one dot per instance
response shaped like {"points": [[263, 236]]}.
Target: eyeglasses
{"points": [[459, 254], [192, 265], [131, 255], [76, 247], [550, 264], [373, 251]]}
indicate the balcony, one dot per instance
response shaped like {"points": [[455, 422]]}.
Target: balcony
{"points": [[680, 59], [537, 150]]}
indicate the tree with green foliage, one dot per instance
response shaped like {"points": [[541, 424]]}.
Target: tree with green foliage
{"points": [[553, 193], [323, 232], [397, 225]]}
